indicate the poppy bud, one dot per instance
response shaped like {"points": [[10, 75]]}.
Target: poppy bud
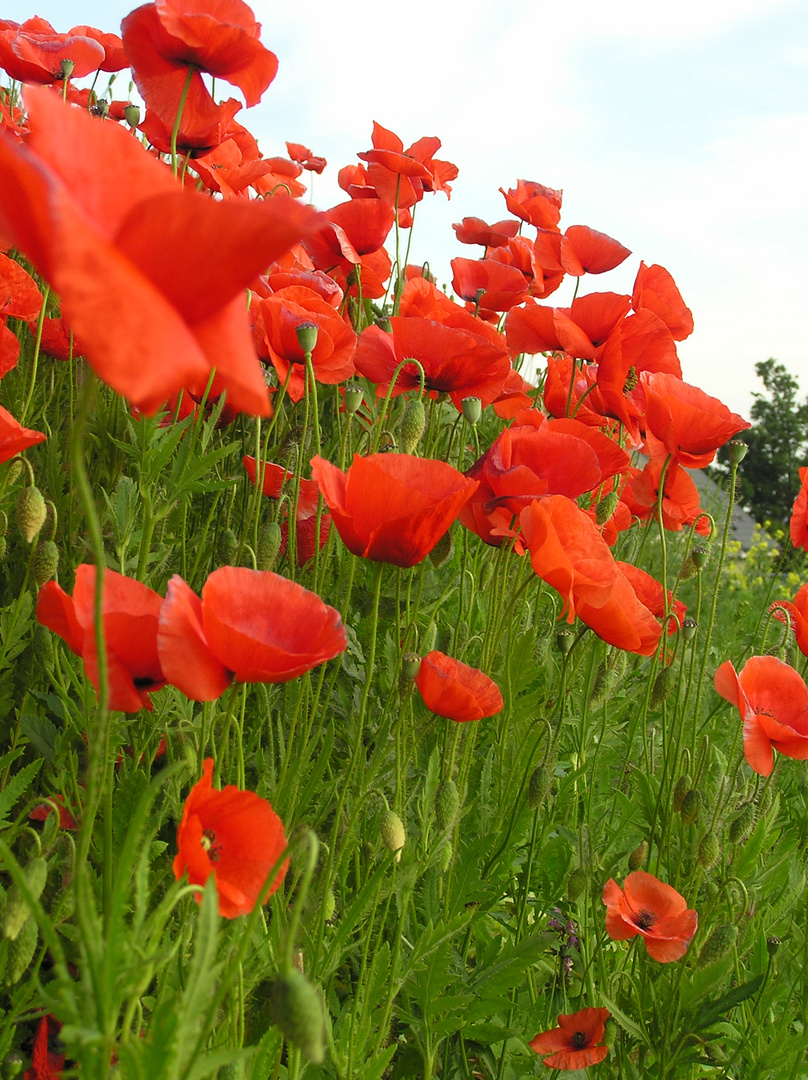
{"points": [[538, 788], [43, 646], [577, 884], [740, 828], [737, 450], [393, 833], [609, 1033], [330, 905], [46, 562], [444, 855], [606, 507], [21, 952], [131, 115], [637, 857], [691, 804], [447, 804], [773, 943], [307, 333], [564, 640], [3, 546], [683, 785], [269, 543], [17, 910], [412, 425], [354, 396], [12, 1065], [48, 530], [430, 637], [227, 547], [66, 68], [718, 944], [472, 409], [689, 629], [14, 470], [295, 1007], [709, 850], [442, 550], [31, 512], [664, 685], [3, 523], [410, 665]]}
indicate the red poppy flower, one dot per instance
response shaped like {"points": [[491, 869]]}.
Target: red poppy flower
{"points": [[680, 502], [690, 424], [44, 1064], [234, 835], [392, 507], [473, 230], [14, 438], [32, 52], [66, 819], [798, 526], [174, 263], [574, 1043], [455, 690], [773, 702], [533, 202], [655, 290], [400, 176], [303, 156], [797, 613], [19, 293], [249, 625], [130, 613], [275, 478], [652, 909], [536, 328], [558, 400], [585, 251], [115, 59], [568, 552], [649, 592], [167, 39], [491, 285]]}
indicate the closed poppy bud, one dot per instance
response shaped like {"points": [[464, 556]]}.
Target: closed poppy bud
{"points": [[683, 785], [131, 115], [741, 826], [307, 333], [691, 805], [3, 546], [447, 804], [737, 450], [606, 507], [393, 834], [227, 546], [31, 512], [295, 1007], [577, 884], [718, 944], [46, 562], [43, 646], [412, 425], [609, 1033], [472, 409], [17, 910], [538, 788], [329, 905], [354, 396], [444, 855], [441, 551], [48, 530], [664, 685], [709, 850], [21, 952], [3, 523], [410, 665], [269, 543], [637, 857]]}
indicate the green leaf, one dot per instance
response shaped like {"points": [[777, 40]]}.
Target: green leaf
{"points": [[16, 786], [711, 1012], [41, 732], [625, 1022]]}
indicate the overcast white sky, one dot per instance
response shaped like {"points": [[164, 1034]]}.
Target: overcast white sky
{"points": [[679, 129]]}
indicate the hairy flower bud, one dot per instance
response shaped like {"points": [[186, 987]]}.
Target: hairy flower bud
{"points": [[46, 562], [31, 512], [740, 828], [269, 543], [447, 804], [577, 884], [664, 685], [295, 1007], [683, 785], [227, 547], [442, 550], [718, 944], [606, 507], [691, 804], [393, 833], [538, 788], [637, 857], [413, 423], [709, 850], [17, 911]]}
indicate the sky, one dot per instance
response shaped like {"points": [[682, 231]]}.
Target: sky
{"points": [[681, 130]]}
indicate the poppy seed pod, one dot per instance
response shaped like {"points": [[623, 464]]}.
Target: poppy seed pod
{"points": [[410, 665], [66, 67], [737, 450], [773, 943], [131, 115], [472, 409], [354, 396], [689, 629], [307, 336], [12, 1064]]}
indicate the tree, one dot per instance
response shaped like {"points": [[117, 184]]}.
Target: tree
{"points": [[778, 446]]}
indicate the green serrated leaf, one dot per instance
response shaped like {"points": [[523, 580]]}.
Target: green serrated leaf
{"points": [[16, 787], [625, 1022], [41, 733]]}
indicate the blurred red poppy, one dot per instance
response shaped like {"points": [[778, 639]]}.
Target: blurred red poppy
{"points": [[249, 625], [33, 52], [174, 263], [19, 293], [234, 835], [690, 424], [773, 702], [798, 526], [568, 552], [44, 1064], [455, 690], [797, 614], [169, 40], [392, 507], [648, 907], [14, 438], [66, 819], [574, 1043], [130, 613]]}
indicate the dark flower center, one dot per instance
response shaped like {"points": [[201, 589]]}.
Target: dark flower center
{"points": [[579, 1040], [645, 919], [208, 842]]}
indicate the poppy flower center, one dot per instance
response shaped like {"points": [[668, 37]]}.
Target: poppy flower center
{"points": [[645, 919], [208, 842], [578, 1039]]}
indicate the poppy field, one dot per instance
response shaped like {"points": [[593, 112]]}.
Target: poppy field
{"points": [[379, 697]]}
